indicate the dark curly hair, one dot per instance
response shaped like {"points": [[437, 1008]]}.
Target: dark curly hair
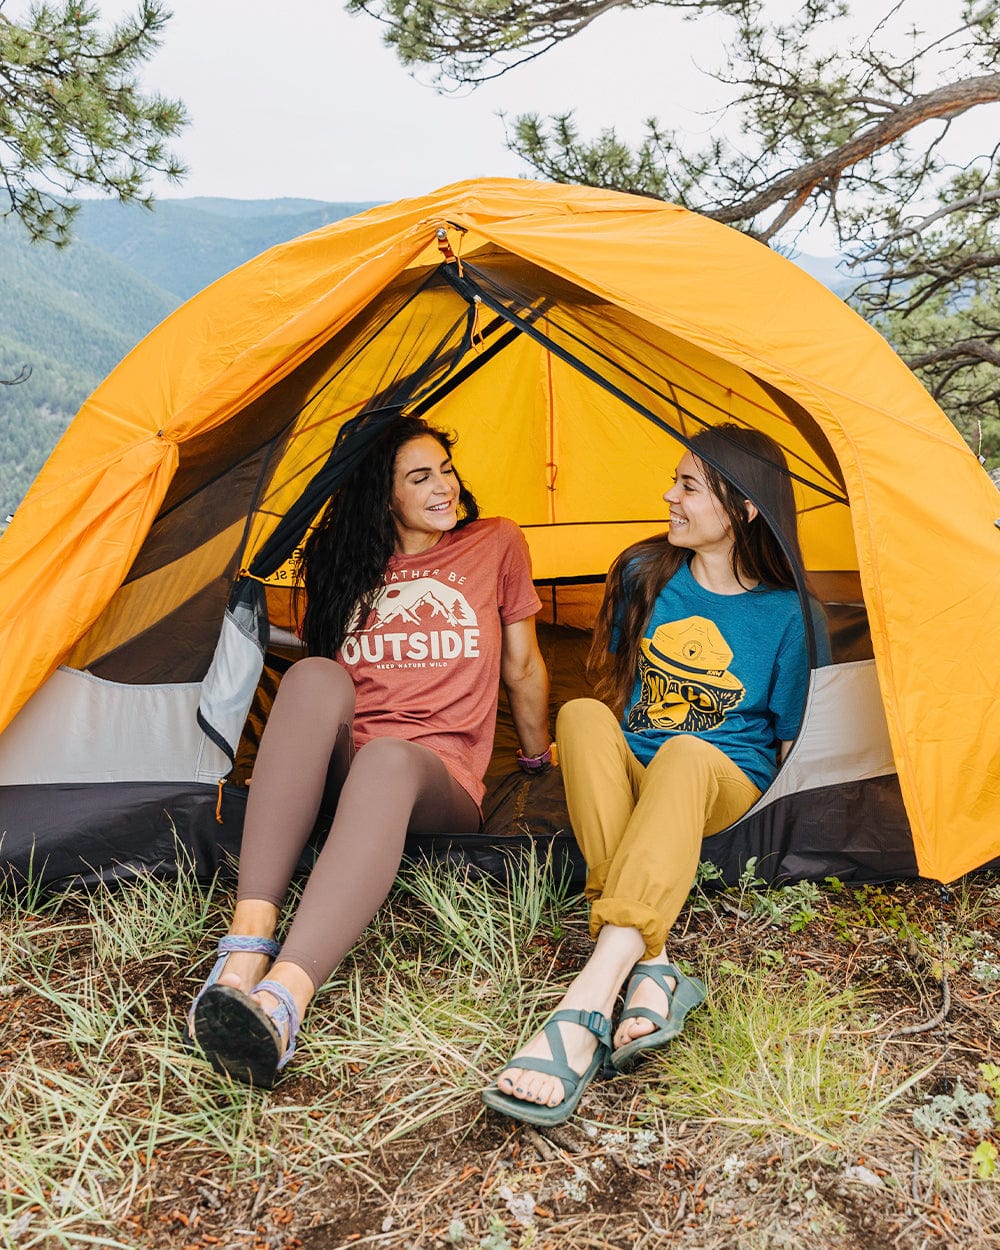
{"points": [[758, 556], [345, 557]]}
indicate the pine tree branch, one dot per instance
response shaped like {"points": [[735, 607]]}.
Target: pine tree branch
{"points": [[970, 350], [945, 103]]}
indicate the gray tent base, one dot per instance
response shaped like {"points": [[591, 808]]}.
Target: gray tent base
{"points": [[65, 836]]}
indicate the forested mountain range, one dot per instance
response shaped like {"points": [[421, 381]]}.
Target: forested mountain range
{"points": [[71, 315]]}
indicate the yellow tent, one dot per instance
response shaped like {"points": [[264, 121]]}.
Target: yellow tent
{"points": [[565, 334]]}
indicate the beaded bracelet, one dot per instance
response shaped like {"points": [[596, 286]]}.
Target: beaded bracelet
{"points": [[539, 763]]}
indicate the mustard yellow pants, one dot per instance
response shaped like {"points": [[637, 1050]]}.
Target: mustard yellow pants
{"points": [[641, 828]]}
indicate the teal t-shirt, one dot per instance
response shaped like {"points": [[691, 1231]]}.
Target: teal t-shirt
{"points": [[732, 669]]}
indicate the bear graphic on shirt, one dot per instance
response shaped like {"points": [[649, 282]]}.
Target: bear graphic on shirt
{"points": [[684, 680]]}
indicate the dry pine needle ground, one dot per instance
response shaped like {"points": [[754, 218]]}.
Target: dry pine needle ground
{"points": [[841, 1088]]}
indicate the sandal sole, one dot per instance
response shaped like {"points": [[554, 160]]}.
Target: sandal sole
{"points": [[237, 1036]]}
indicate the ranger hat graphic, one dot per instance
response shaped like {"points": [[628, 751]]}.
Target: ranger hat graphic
{"points": [[692, 649]]}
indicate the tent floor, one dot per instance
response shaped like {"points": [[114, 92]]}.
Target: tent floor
{"points": [[63, 836]]}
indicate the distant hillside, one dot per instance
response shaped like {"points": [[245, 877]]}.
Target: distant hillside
{"points": [[71, 315], [183, 245], [79, 305], [286, 207], [829, 270]]}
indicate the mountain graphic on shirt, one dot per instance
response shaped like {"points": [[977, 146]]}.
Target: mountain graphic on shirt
{"points": [[423, 601]]}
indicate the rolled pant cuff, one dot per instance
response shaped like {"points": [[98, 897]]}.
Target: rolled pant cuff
{"points": [[628, 914], [597, 876]]}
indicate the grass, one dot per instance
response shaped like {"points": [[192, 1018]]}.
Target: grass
{"points": [[775, 1049], [114, 1136]]}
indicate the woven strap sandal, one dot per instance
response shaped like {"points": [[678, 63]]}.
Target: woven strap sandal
{"points": [[241, 1038], [285, 1016], [231, 945], [687, 994], [574, 1083]]}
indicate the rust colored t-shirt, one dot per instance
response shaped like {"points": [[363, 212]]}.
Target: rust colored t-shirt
{"points": [[427, 667]]}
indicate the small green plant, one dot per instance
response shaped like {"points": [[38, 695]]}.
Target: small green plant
{"points": [[791, 906], [956, 1113], [707, 872], [984, 1160], [496, 1236], [986, 972], [989, 1080], [875, 907], [456, 1233], [640, 1147]]}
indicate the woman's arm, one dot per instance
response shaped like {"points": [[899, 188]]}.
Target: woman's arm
{"points": [[526, 681]]}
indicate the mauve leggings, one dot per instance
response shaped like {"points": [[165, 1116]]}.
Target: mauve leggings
{"points": [[387, 788]]}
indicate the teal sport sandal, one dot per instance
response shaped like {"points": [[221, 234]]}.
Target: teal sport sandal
{"points": [[687, 994], [574, 1083], [232, 945], [241, 1038]]}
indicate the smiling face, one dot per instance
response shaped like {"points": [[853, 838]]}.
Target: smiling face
{"points": [[698, 520], [424, 501]]}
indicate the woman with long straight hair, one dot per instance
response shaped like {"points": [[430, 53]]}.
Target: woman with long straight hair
{"points": [[700, 648], [416, 609]]}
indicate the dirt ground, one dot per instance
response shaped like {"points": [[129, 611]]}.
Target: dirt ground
{"points": [[477, 1180]]}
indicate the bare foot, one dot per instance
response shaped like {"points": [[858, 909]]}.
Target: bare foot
{"points": [[298, 985], [540, 1087], [647, 994], [244, 969]]}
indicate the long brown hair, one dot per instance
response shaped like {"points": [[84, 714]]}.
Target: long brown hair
{"points": [[759, 473], [345, 557]]}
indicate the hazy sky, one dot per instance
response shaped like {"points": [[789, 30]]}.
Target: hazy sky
{"points": [[298, 99]]}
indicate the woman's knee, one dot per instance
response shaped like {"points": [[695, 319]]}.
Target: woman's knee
{"points": [[318, 682], [589, 738], [580, 715], [689, 765], [391, 757], [688, 751], [396, 773]]}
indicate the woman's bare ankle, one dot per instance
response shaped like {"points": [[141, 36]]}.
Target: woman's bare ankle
{"points": [[254, 917]]}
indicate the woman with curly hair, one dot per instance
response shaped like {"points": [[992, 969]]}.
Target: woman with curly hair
{"points": [[416, 609], [700, 646]]}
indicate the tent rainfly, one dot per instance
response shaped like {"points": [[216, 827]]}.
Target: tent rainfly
{"points": [[574, 339]]}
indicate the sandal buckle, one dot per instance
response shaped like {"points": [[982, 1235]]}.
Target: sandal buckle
{"points": [[595, 1021]]}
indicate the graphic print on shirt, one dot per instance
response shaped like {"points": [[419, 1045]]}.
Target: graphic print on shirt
{"points": [[416, 623], [685, 683]]}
